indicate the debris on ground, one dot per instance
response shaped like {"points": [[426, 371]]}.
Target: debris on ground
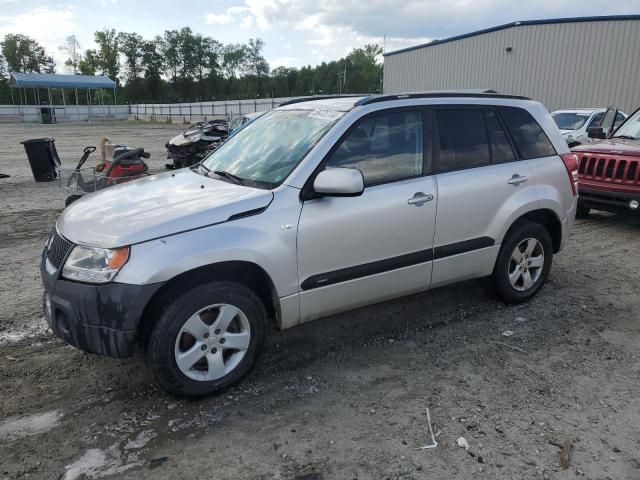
{"points": [[564, 454], [433, 443], [462, 443], [507, 333], [507, 345]]}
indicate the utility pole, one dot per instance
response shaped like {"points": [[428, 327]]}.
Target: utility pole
{"points": [[342, 78]]}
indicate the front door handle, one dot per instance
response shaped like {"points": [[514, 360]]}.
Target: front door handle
{"points": [[517, 179], [420, 199]]}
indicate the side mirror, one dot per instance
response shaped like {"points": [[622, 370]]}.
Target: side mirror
{"points": [[339, 182], [608, 120], [596, 132]]}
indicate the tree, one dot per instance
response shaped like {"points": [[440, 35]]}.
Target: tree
{"points": [[24, 54], [72, 49], [152, 61], [233, 58], [152, 64], [89, 64], [108, 58], [130, 45], [365, 70], [171, 51], [3, 68], [255, 63]]}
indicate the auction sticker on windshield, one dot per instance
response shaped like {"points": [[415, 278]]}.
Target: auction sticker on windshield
{"points": [[324, 114]]}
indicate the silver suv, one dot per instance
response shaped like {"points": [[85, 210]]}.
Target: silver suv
{"points": [[317, 207]]}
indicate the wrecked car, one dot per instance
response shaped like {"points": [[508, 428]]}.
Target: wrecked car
{"points": [[196, 142]]}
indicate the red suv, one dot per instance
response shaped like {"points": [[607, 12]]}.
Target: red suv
{"points": [[609, 171]]}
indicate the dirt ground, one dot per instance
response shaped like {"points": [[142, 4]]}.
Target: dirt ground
{"points": [[340, 398]]}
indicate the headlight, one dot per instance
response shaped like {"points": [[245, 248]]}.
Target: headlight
{"points": [[94, 265]]}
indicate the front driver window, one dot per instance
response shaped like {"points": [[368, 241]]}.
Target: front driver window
{"points": [[385, 148]]}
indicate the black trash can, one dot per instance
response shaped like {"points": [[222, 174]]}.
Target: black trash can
{"points": [[43, 158]]}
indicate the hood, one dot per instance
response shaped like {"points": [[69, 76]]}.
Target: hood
{"points": [[156, 206], [612, 146], [568, 132]]}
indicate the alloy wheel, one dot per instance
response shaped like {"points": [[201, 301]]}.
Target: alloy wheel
{"points": [[212, 342], [526, 264]]}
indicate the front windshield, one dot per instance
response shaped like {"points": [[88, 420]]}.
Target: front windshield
{"points": [[266, 151], [630, 128], [570, 121]]}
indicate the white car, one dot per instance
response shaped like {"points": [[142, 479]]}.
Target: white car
{"points": [[573, 123]]}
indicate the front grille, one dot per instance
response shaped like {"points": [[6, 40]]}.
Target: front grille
{"points": [[57, 249], [612, 169]]}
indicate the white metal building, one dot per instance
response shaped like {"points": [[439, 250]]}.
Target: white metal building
{"points": [[564, 63]]}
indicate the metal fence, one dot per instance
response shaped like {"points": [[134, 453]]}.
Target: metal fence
{"points": [[189, 112], [158, 112], [62, 113]]}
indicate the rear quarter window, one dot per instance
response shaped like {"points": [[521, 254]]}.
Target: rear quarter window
{"points": [[530, 139]]}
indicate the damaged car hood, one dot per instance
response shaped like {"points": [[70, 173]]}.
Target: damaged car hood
{"points": [[156, 206]]}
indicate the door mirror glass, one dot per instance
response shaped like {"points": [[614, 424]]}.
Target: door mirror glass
{"points": [[339, 182]]}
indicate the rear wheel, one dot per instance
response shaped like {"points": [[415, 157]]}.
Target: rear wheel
{"points": [[523, 263], [206, 339]]}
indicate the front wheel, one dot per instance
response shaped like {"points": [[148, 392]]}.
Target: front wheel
{"points": [[206, 339], [523, 263]]}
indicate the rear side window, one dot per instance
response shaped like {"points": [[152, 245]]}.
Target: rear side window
{"points": [[463, 139], [500, 145], [529, 137]]}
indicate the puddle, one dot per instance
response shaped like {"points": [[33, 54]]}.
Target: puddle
{"points": [[13, 428], [97, 463], [34, 328]]}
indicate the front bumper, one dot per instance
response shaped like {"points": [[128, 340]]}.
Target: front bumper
{"points": [[609, 201], [100, 319]]}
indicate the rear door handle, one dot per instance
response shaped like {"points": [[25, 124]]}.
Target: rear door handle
{"points": [[420, 199], [517, 179]]}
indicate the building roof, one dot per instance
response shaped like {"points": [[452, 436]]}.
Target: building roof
{"points": [[550, 21], [54, 80]]}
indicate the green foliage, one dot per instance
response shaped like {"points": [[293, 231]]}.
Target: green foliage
{"points": [[108, 59], [24, 54], [181, 65], [130, 45], [88, 64]]}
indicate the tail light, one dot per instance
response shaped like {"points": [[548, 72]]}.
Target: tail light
{"points": [[571, 163]]}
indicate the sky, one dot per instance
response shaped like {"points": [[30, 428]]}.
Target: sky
{"points": [[296, 32]]}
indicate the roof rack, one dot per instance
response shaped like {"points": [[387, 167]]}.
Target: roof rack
{"points": [[401, 96], [311, 99]]}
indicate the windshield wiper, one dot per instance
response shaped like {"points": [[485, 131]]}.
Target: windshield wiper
{"points": [[230, 176], [626, 137]]}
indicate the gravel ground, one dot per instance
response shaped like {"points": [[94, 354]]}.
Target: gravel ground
{"points": [[340, 398]]}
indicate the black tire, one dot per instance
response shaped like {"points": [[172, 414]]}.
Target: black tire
{"points": [[172, 315], [70, 199], [582, 211], [519, 232]]}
